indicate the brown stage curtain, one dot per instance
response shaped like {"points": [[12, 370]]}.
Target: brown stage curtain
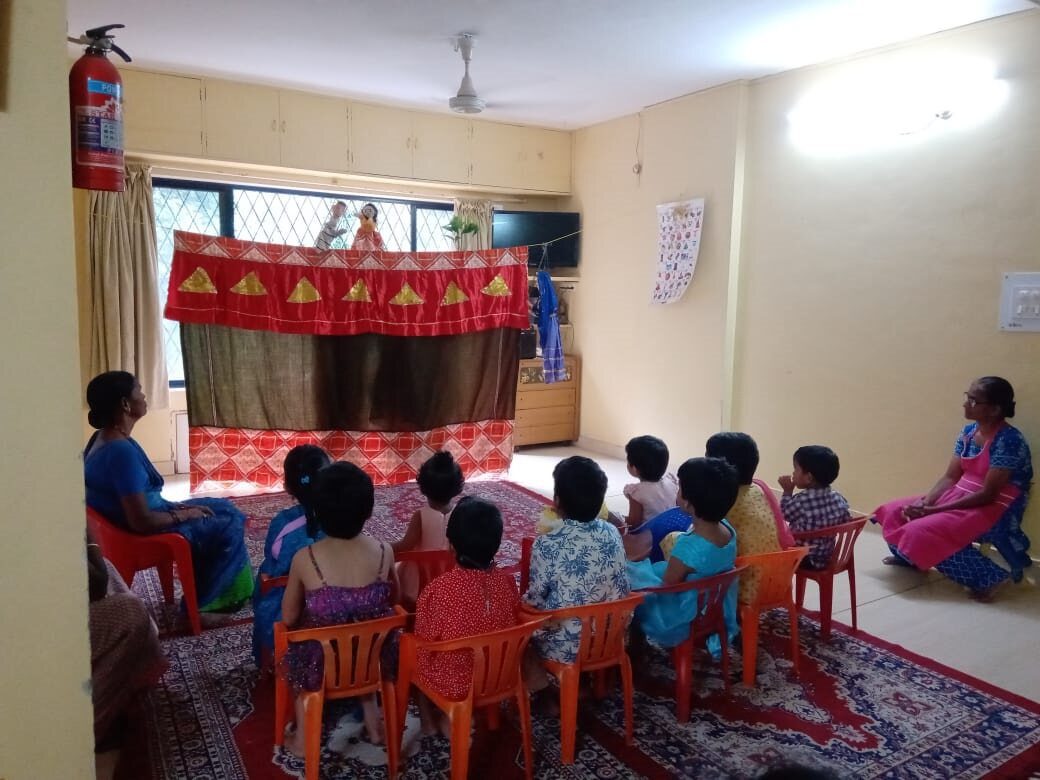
{"points": [[276, 381]]}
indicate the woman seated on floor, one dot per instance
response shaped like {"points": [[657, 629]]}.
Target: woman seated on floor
{"points": [[125, 488], [981, 497], [125, 657]]}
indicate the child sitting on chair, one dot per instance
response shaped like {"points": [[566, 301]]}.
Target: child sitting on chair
{"points": [[290, 531], [654, 493], [473, 598], [440, 481], [817, 506], [348, 577]]}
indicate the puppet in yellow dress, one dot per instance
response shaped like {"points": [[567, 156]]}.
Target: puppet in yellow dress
{"points": [[367, 237]]}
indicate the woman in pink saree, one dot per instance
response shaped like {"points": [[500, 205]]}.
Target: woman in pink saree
{"points": [[981, 497]]}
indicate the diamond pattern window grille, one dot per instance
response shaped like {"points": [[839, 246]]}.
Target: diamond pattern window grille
{"points": [[293, 218], [197, 211]]}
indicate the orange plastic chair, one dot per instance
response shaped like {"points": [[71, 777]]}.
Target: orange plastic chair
{"points": [[351, 669], [525, 563], [430, 564], [774, 590], [842, 559], [131, 553], [603, 629], [267, 584], [497, 676], [710, 619]]}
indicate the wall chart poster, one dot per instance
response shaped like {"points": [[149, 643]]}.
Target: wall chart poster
{"points": [[678, 244]]}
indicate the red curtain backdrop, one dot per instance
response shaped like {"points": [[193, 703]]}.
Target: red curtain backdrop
{"points": [[278, 340]]}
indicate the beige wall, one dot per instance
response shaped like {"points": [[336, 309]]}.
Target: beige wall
{"points": [[45, 719], [863, 291], [659, 369]]}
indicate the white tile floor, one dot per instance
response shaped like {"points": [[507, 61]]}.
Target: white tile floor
{"points": [[923, 612]]}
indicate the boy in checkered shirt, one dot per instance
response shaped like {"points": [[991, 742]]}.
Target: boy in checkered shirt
{"points": [[817, 506]]}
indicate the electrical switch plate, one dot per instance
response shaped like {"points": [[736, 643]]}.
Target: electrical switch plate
{"points": [[1020, 302]]}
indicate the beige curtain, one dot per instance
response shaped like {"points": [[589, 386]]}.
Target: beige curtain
{"points": [[480, 212], [126, 322]]}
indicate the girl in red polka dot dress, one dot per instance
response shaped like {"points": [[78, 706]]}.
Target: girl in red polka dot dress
{"points": [[473, 598]]}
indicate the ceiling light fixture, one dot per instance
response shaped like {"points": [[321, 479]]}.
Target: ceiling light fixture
{"points": [[466, 101]]}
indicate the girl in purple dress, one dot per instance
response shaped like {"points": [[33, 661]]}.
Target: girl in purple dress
{"points": [[347, 577]]}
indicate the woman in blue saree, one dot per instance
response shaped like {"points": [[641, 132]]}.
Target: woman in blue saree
{"points": [[125, 488]]}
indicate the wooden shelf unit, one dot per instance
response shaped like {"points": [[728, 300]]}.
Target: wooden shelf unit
{"points": [[547, 412]]}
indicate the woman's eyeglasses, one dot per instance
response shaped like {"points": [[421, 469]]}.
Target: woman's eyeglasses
{"points": [[972, 401]]}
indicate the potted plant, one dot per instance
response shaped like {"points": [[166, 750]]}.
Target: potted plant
{"points": [[458, 227]]}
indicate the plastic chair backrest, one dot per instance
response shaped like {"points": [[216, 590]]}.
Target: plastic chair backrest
{"points": [[497, 658], [267, 584], [776, 571], [525, 562], [351, 651], [603, 627], [711, 595], [430, 564], [782, 529], [844, 536]]}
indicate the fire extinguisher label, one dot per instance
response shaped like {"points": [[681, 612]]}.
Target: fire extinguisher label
{"points": [[99, 129]]}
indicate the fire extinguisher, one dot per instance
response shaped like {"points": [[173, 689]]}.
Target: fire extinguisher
{"points": [[96, 109]]}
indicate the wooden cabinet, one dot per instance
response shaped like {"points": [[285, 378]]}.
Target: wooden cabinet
{"points": [[409, 145], [547, 412], [440, 148], [315, 132], [524, 158], [242, 123], [163, 114]]}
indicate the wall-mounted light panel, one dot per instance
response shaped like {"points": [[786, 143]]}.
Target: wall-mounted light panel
{"points": [[1020, 302]]}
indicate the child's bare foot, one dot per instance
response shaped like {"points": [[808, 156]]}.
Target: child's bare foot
{"points": [[214, 619], [444, 725], [895, 560], [294, 741], [373, 721], [986, 595]]}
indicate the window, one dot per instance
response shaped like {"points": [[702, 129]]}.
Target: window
{"points": [[277, 217]]}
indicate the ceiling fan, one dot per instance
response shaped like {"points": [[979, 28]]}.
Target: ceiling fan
{"points": [[466, 101]]}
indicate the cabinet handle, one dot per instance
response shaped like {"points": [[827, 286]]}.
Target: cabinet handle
{"points": [[274, 125], [283, 125], [415, 143], [408, 142]]}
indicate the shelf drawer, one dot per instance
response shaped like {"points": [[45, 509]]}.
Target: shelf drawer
{"points": [[539, 434], [531, 377], [549, 415], [531, 399]]}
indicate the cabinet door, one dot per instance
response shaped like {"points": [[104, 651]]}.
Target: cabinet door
{"points": [[440, 146], [381, 140], [162, 113], [315, 132], [548, 161], [242, 123], [497, 153]]}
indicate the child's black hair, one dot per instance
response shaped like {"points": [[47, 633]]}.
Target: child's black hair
{"points": [[818, 461], [710, 486], [648, 455], [440, 478], [301, 466], [342, 499], [579, 485], [475, 532], [737, 449]]}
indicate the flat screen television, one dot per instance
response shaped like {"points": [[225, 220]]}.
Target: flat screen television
{"points": [[533, 228]]}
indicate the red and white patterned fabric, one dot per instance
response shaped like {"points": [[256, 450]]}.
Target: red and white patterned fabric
{"points": [[226, 458]]}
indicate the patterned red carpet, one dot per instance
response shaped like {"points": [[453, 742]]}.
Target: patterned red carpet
{"points": [[861, 707]]}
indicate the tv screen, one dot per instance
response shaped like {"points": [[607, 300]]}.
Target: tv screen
{"points": [[534, 228]]}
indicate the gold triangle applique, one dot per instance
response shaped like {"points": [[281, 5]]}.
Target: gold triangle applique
{"points": [[453, 294], [358, 293], [496, 287], [198, 282], [406, 296], [304, 292], [249, 284]]}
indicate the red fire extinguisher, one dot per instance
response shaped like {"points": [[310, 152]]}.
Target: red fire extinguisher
{"points": [[96, 108]]}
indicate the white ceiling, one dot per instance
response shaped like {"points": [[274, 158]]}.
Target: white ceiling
{"points": [[557, 63]]}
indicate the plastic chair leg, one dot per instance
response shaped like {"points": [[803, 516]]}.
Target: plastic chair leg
{"points": [[724, 638], [852, 591], [799, 585], [569, 679], [186, 572], [393, 728], [793, 613], [282, 702], [523, 705], [749, 630], [627, 690], [461, 721], [313, 704], [493, 716], [682, 660], [826, 605], [166, 580]]}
